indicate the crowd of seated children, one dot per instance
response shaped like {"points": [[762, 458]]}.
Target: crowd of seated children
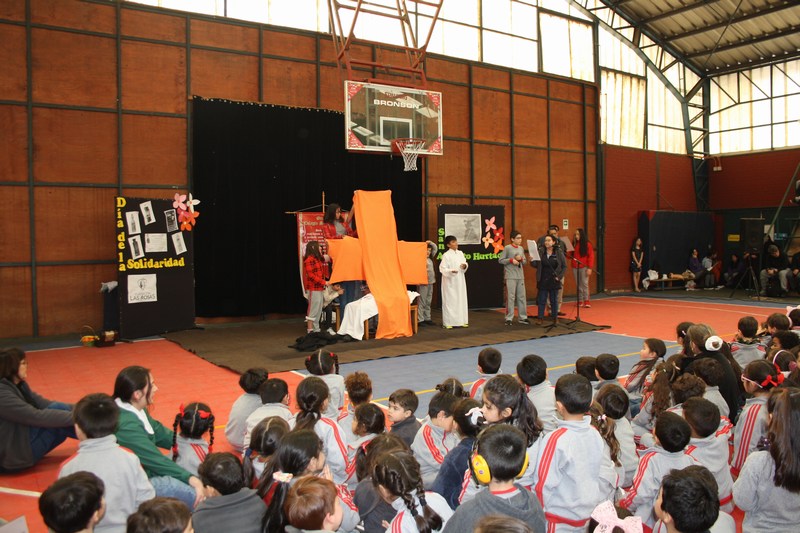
{"points": [[250, 381], [489, 361], [505, 455], [358, 386]]}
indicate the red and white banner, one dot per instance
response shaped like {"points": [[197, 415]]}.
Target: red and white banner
{"points": [[309, 228]]}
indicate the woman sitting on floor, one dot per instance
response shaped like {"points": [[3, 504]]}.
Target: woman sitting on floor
{"points": [[30, 425]]}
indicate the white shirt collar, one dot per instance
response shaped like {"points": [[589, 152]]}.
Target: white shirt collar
{"points": [[138, 412]]}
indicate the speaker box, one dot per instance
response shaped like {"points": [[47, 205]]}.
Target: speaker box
{"points": [[752, 234]]}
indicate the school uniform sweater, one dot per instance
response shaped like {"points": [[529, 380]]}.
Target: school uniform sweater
{"points": [[510, 270], [713, 395], [767, 508], [567, 478], [335, 384], [241, 409], [265, 411], [747, 352], [352, 450], [517, 503], [240, 512], [712, 452], [430, 446], [191, 452], [627, 450], [450, 479], [654, 464], [345, 421], [403, 522], [132, 434], [126, 484], [476, 390], [751, 427], [335, 448], [543, 397], [406, 429], [724, 524], [372, 509]]}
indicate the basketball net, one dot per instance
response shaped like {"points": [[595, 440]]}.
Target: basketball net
{"points": [[410, 150]]}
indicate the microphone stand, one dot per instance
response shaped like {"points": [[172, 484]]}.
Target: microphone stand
{"points": [[578, 307]]}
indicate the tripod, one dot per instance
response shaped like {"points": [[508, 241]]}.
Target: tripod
{"points": [[577, 320], [750, 275]]}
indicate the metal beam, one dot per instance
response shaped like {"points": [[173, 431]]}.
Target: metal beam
{"points": [[756, 63], [679, 11], [735, 20]]}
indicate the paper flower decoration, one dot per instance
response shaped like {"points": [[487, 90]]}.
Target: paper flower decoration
{"points": [[490, 223], [192, 202], [487, 240], [188, 219], [498, 235], [179, 202], [498, 247]]}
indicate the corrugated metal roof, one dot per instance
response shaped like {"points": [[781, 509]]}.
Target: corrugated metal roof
{"points": [[716, 36]]}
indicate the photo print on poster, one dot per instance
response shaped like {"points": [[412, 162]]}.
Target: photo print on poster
{"points": [[147, 213], [133, 222], [142, 288], [155, 242], [465, 227], [172, 220]]}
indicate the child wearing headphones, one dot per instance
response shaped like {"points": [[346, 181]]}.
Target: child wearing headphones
{"points": [[498, 458]]}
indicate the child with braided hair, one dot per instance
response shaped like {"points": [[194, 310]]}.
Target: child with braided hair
{"points": [[612, 474], [325, 365], [398, 480], [265, 439], [189, 448], [656, 398]]}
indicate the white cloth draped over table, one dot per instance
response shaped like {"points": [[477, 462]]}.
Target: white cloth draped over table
{"points": [[360, 310], [454, 289]]}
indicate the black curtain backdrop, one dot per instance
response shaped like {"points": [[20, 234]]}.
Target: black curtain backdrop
{"points": [[670, 236], [251, 164]]}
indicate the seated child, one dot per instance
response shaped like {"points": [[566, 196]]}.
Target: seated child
{"points": [[652, 352], [493, 523], [325, 365], [709, 446], [567, 479], [656, 399], [312, 505], [274, 395], [450, 480], [372, 508], [230, 504], [688, 502], [368, 422], [672, 437], [499, 458], [775, 322], [435, 437], [611, 471], [489, 361], [250, 381], [532, 373], [403, 404], [359, 391], [759, 378], [608, 517], [606, 368], [96, 417], [710, 371], [189, 448], [161, 515], [452, 386], [264, 441], [398, 480], [585, 366], [746, 346], [73, 504], [614, 401], [685, 387]]}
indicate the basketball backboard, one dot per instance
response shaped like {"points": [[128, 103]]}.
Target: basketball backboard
{"points": [[375, 114]]}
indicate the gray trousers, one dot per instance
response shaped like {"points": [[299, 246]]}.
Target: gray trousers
{"points": [[424, 304], [582, 281], [515, 292], [314, 308]]}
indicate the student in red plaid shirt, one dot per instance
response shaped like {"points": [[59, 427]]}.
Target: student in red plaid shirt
{"points": [[315, 270]]}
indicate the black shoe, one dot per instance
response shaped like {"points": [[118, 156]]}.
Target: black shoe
{"points": [[423, 323], [562, 314], [429, 323], [525, 322], [508, 322]]}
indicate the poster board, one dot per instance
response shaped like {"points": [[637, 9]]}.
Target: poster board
{"points": [[480, 230], [309, 228], [155, 268]]}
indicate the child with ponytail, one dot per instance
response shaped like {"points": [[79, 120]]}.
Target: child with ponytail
{"points": [[264, 440], [612, 474], [656, 399], [299, 454], [312, 399], [368, 422], [454, 473], [189, 448], [325, 365], [505, 400], [398, 480], [759, 378], [769, 484], [653, 351]]}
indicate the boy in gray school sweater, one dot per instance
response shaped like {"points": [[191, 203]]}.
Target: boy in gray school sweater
{"points": [[513, 259]]}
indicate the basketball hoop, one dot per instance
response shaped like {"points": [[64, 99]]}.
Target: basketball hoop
{"points": [[409, 148]]}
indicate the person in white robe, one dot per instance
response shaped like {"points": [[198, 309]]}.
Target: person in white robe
{"points": [[360, 310], [454, 285]]}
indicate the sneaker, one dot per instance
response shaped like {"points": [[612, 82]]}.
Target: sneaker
{"points": [[465, 326], [447, 327], [587, 305], [560, 313], [331, 332], [525, 322], [508, 322]]}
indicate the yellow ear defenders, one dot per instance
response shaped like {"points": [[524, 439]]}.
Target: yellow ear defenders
{"points": [[480, 469]]}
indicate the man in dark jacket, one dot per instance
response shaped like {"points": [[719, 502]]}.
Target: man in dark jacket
{"points": [[776, 265]]}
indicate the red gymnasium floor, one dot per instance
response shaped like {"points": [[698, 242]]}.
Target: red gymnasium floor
{"points": [[68, 374]]}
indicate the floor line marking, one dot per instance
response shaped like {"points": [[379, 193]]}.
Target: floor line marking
{"points": [[20, 492]]}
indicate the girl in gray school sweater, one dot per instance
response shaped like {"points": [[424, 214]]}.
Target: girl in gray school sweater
{"points": [[513, 259]]}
